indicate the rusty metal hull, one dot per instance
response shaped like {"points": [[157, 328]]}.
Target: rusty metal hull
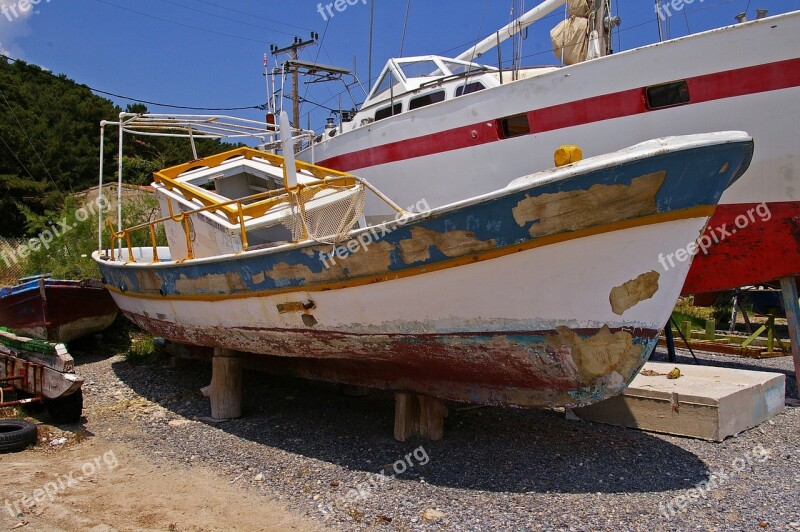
{"points": [[548, 292]]}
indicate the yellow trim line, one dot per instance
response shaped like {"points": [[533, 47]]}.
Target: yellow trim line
{"points": [[683, 214]]}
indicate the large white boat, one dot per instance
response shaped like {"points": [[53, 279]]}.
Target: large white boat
{"points": [[480, 127]]}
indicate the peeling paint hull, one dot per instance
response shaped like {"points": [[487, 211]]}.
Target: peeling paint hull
{"points": [[484, 301]]}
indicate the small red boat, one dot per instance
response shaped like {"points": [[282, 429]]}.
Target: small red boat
{"points": [[56, 310]]}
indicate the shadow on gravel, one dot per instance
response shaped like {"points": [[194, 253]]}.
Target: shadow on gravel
{"points": [[114, 340], [488, 449]]}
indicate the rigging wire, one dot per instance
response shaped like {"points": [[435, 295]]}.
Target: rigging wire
{"points": [[405, 26], [480, 29], [24, 132], [371, 26], [686, 18]]}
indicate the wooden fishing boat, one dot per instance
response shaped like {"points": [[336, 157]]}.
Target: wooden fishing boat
{"points": [[549, 291], [56, 310]]}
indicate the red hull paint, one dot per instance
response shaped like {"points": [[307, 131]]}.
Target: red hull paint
{"points": [[458, 367], [760, 252], [706, 88], [66, 303]]}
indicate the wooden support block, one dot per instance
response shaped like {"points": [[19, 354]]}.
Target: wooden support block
{"points": [[225, 390], [711, 329], [790, 303], [418, 415], [686, 329], [704, 402]]}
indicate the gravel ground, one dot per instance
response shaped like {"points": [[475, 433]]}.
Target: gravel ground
{"points": [[311, 447]]}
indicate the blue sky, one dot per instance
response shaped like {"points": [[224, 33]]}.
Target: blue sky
{"points": [[209, 53]]}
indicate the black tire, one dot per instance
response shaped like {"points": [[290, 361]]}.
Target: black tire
{"points": [[16, 435], [66, 409]]}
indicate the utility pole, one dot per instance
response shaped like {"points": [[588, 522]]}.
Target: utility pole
{"points": [[293, 49]]}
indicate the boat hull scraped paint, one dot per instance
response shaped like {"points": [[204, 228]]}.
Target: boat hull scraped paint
{"points": [[550, 291]]}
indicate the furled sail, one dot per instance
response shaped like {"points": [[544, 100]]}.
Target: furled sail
{"points": [[571, 36]]}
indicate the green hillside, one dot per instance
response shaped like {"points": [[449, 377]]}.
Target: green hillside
{"points": [[49, 145]]}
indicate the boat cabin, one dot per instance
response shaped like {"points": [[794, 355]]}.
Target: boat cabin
{"points": [[241, 202], [410, 83]]}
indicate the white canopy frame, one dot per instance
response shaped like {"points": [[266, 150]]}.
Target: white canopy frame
{"points": [[187, 126]]}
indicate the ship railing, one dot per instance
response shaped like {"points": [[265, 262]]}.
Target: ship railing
{"points": [[237, 211]]}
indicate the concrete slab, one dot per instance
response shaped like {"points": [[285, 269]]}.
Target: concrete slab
{"points": [[706, 402]]}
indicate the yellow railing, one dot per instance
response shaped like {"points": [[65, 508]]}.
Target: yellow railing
{"points": [[238, 207], [168, 178], [236, 211]]}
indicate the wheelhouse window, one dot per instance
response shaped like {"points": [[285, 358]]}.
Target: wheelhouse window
{"points": [[475, 86], [458, 68], [388, 111], [667, 95], [388, 80], [513, 126], [421, 69], [426, 99]]}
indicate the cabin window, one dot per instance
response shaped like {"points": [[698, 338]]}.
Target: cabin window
{"points": [[475, 86], [420, 69], [386, 112], [513, 126], [667, 95], [427, 99], [388, 80], [458, 68]]}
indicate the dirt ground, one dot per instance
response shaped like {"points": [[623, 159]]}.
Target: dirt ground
{"points": [[94, 484]]}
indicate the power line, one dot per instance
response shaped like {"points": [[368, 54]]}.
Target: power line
{"points": [[24, 132], [223, 17], [259, 107], [180, 23], [226, 8], [17, 158]]}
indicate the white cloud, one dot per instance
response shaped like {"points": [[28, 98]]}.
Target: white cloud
{"points": [[14, 25]]}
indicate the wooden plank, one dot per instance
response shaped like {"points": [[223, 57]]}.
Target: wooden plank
{"points": [[725, 348], [790, 303], [710, 403]]}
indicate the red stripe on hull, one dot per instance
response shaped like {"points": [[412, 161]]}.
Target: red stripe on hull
{"points": [[760, 252], [705, 88]]}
